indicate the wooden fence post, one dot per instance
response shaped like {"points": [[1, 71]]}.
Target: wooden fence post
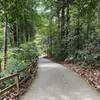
{"points": [[17, 83]]}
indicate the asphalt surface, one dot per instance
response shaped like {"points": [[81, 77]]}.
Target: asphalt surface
{"points": [[55, 82]]}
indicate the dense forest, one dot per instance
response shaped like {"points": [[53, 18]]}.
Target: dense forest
{"points": [[74, 30], [65, 30], [17, 31], [17, 47]]}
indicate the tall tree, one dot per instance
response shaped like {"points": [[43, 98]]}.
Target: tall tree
{"points": [[5, 41]]}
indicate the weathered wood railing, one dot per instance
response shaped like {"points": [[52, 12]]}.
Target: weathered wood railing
{"points": [[29, 71]]}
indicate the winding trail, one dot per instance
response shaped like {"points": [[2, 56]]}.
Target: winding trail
{"points": [[54, 82]]}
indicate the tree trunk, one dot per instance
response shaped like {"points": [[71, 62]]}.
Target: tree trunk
{"points": [[63, 22], [58, 23], [68, 18], [15, 34], [50, 35], [5, 44]]}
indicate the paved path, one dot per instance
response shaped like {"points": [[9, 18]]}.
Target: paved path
{"points": [[54, 82]]}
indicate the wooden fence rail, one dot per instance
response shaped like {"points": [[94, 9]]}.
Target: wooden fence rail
{"points": [[30, 71]]}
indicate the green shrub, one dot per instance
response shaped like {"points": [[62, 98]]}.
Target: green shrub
{"points": [[26, 52], [14, 65], [18, 59], [30, 51], [7, 82]]}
